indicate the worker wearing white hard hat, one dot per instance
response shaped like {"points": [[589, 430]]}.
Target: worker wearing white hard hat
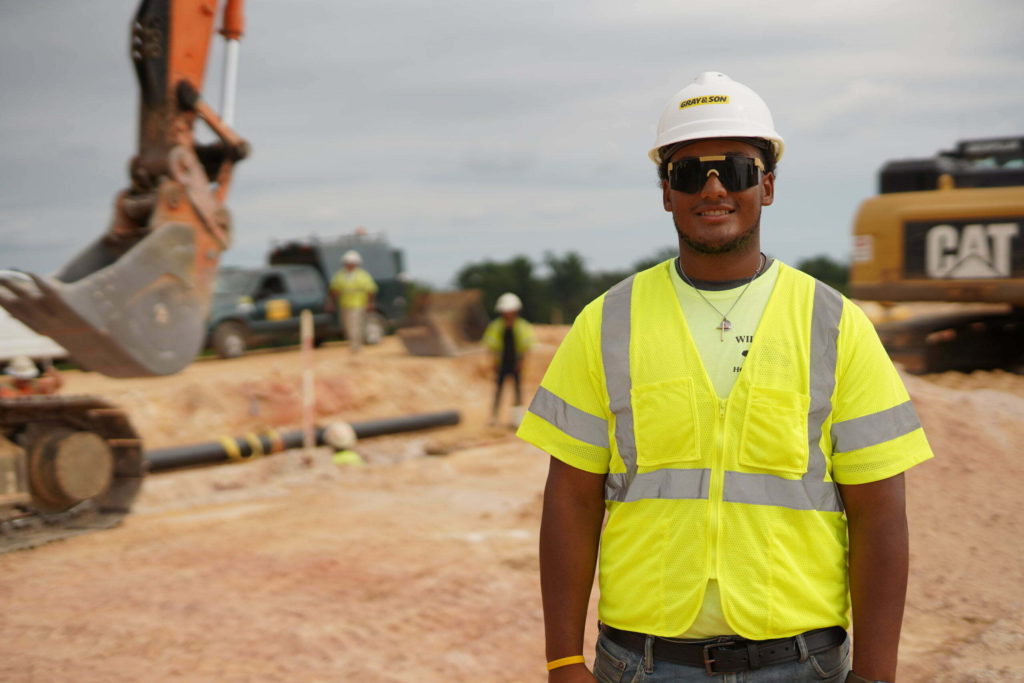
{"points": [[356, 291], [508, 303], [22, 367], [728, 438], [509, 337], [23, 379]]}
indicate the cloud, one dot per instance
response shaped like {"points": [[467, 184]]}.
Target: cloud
{"points": [[474, 128]]}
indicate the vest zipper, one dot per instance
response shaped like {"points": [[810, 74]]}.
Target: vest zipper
{"points": [[716, 485]]}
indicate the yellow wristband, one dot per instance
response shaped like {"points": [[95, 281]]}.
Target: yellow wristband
{"points": [[565, 661]]}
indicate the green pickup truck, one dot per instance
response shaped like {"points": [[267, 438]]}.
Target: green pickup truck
{"points": [[257, 306]]}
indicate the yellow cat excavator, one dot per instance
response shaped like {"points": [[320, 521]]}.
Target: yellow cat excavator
{"points": [[948, 229], [133, 303]]}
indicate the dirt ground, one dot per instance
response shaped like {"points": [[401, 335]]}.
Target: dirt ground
{"points": [[417, 567]]}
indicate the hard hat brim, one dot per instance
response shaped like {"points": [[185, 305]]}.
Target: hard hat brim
{"points": [[778, 144]]}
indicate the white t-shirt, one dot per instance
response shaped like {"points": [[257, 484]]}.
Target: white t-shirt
{"points": [[723, 351]]}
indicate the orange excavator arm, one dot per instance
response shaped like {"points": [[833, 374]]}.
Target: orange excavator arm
{"points": [[135, 302]]}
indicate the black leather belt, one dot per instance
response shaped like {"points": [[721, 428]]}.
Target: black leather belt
{"points": [[717, 656]]}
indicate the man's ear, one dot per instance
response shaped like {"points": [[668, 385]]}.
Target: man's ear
{"points": [[665, 200], [767, 189]]}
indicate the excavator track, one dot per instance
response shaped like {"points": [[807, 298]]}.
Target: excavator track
{"points": [[971, 340], [71, 464]]}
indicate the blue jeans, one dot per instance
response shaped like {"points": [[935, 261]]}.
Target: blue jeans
{"points": [[616, 664]]}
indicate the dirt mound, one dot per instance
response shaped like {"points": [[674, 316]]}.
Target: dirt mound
{"points": [[263, 390], [966, 598], [416, 568]]}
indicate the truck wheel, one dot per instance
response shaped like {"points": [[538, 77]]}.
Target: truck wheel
{"points": [[374, 329], [229, 340]]}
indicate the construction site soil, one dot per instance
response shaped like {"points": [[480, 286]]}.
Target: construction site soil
{"points": [[421, 565]]}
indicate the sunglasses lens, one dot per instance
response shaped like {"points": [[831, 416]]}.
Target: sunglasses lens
{"points": [[685, 175], [736, 173]]}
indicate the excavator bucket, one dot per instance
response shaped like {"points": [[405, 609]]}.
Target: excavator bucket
{"points": [[444, 323], [137, 314], [134, 303]]}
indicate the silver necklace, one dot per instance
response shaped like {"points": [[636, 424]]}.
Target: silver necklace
{"points": [[725, 325]]}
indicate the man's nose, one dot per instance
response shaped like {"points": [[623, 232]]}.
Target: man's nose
{"points": [[713, 186]]}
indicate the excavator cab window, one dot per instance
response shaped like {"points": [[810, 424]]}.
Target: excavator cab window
{"points": [[996, 162]]}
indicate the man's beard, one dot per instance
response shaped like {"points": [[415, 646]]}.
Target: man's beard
{"points": [[737, 243]]}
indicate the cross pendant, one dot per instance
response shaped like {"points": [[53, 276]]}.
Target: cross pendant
{"points": [[722, 328]]}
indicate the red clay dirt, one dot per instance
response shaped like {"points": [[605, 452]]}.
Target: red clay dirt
{"points": [[424, 568]]}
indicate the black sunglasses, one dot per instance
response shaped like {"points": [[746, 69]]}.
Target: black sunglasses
{"points": [[736, 173]]}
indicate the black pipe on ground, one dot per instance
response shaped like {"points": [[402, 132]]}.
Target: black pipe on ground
{"points": [[228, 449]]}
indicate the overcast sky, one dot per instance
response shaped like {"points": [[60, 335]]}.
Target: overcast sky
{"points": [[475, 129]]}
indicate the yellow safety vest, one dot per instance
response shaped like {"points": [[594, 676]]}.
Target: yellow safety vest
{"points": [[750, 480], [353, 289], [522, 332]]}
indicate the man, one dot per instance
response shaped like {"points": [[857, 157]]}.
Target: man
{"points": [[25, 380], [356, 292], [509, 337], [725, 410]]}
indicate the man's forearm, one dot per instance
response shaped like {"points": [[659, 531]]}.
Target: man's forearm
{"points": [[569, 535], [879, 563]]}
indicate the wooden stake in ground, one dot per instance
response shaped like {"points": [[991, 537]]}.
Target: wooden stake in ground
{"points": [[308, 392]]}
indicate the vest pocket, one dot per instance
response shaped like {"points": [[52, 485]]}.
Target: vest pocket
{"points": [[775, 431], [665, 423]]}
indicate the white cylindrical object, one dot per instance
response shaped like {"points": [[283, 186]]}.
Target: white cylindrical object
{"points": [[308, 395], [227, 109]]}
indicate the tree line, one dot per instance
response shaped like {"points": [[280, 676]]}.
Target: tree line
{"points": [[557, 289]]}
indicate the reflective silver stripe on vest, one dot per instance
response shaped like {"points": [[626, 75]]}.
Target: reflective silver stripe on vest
{"points": [[570, 419], [766, 489], [828, 309], [615, 331], [874, 429], [666, 484], [810, 492]]}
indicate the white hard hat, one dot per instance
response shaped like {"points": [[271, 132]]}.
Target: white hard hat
{"points": [[508, 303], [22, 367], [715, 106], [352, 256], [340, 436]]}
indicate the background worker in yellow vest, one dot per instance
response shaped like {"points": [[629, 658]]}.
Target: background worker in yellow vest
{"points": [[509, 337], [356, 292], [743, 430]]}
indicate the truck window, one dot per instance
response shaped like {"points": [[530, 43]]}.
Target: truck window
{"points": [[235, 282], [305, 282], [271, 286]]}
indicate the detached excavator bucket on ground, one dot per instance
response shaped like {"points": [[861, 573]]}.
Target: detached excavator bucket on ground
{"points": [[134, 303], [444, 323]]}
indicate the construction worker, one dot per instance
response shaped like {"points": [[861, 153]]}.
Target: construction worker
{"points": [[724, 410], [509, 337], [356, 292], [23, 379]]}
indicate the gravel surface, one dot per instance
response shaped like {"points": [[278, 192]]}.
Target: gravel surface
{"points": [[424, 568]]}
